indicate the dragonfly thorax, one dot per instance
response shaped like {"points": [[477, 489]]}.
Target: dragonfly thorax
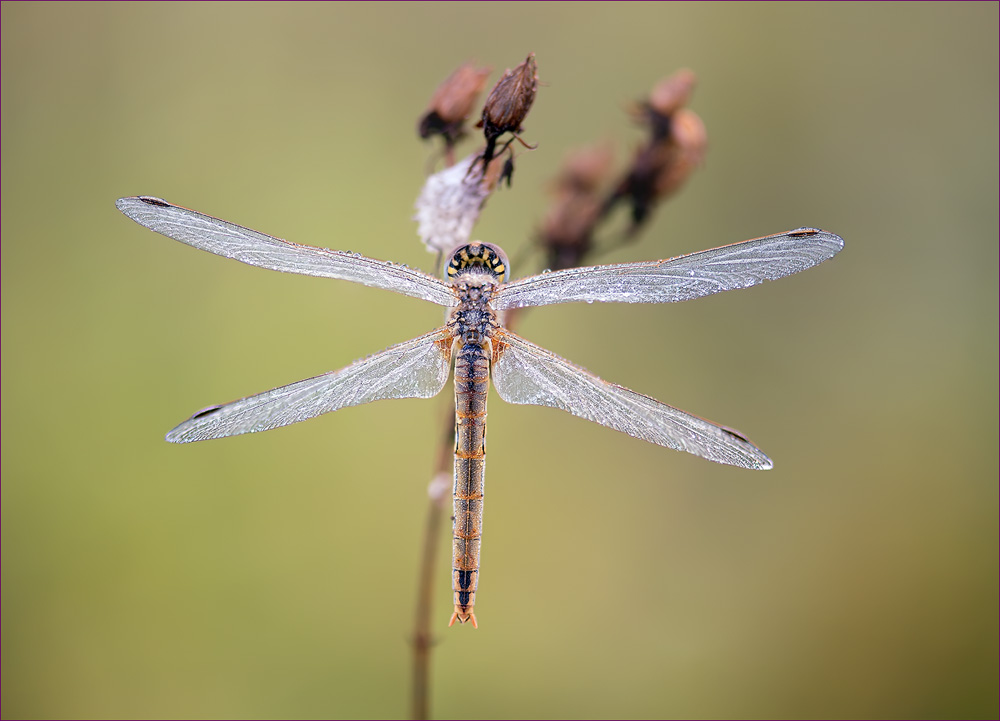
{"points": [[478, 258], [473, 320]]}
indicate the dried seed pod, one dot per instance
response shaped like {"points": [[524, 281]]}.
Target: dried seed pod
{"points": [[567, 229], [689, 140], [675, 148], [587, 168], [452, 103], [508, 104], [665, 99], [638, 187], [673, 92]]}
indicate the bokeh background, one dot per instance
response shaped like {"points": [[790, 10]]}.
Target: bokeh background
{"points": [[273, 575]]}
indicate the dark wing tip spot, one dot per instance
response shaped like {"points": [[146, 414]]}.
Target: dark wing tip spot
{"points": [[763, 462], [150, 200], [205, 412], [804, 232]]}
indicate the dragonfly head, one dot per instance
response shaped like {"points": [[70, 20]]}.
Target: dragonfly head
{"points": [[477, 257]]}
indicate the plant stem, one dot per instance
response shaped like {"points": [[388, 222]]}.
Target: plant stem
{"points": [[422, 637]]}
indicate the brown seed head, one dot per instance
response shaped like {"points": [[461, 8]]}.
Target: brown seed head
{"points": [[689, 140], [672, 92], [662, 166], [510, 100], [452, 102], [675, 147], [455, 97], [567, 229], [585, 169], [666, 98]]}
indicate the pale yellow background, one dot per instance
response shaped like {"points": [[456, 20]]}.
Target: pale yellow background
{"points": [[273, 575]]}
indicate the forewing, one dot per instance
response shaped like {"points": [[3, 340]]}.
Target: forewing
{"points": [[740, 265], [526, 374], [253, 248], [416, 369]]}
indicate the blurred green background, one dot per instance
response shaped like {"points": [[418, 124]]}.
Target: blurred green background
{"points": [[273, 575]]}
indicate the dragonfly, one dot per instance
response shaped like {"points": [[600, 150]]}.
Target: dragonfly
{"points": [[475, 292]]}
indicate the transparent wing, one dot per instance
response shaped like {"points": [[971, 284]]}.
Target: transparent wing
{"points": [[526, 374], [415, 369], [253, 248], [740, 265]]}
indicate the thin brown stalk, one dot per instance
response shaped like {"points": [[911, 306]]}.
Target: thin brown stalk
{"points": [[423, 639]]}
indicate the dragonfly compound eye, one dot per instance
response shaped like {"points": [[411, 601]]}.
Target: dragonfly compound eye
{"points": [[478, 257]]}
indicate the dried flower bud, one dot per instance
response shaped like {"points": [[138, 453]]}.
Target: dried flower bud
{"points": [[568, 226], [508, 104], [638, 187], [567, 230], [662, 166], [689, 141], [586, 168], [452, 102], [511, 99], [666, 98], [676, 147], [673, 92]]}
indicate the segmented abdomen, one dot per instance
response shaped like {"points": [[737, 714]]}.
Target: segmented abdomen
{"points": [[472, 382]]}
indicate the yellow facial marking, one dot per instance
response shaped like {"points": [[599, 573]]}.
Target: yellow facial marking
{"points": [[477, 256]]}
